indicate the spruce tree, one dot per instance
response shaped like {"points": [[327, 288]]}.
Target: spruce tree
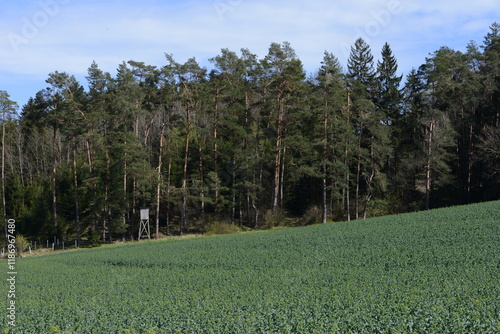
{"points": [[388, 96], [372, 145], [360, 67], [336, 132]]}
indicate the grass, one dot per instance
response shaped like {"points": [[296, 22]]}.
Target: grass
{"points": [[435, 272]]}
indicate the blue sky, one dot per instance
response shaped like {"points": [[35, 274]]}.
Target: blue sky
{"points": [[40, 37]]}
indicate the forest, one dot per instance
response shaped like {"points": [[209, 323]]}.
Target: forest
{"points": [[251, 142]]}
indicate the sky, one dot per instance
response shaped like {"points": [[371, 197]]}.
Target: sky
{"points": [[41, 37]]}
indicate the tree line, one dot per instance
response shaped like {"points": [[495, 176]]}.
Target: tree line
{"points": [[252, 142]]}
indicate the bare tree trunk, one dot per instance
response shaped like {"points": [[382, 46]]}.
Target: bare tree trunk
{"points": [[470, 162], [125, 177], [277, 164], [94, 184], [77, 210], [348, 197], [54, 173], [158, 185], [470, 156], [248, 207], [184, 174], [346, 161], [148, 130], [20, 155], [358, 176], [256, 213], [325, 151], [107, 209], [282, 177], [332, 195], [278, 157], [256, 192], [240, 209], [169, 173], [233, 190], [215, 134], [369, 182], [256, 189], [429, 166], [134, 196], [247, 157], [200, 167], [369, 193]]}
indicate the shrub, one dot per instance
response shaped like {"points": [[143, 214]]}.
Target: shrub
{"points": [[222, 228], [377, 208], [312, 215], [94, 239], [274, 218], [21, 243]]}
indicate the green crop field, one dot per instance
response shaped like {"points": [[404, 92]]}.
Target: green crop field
{"points": [[428, 272]]}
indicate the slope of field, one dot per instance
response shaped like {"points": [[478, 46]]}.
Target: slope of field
{"points": [[428, 272]]}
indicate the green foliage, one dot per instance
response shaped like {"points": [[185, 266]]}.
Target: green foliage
{"points": [[379, 207], [429, 272], [21, 243], [94, 239], [222, 228], [274, 218], [312, 216], [252, 135], [55, 329]]}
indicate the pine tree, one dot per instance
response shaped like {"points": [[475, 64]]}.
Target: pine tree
{"points": [[189, 78], [335, 129], [74, 127], [232, 128], [101, 86], [51, 105], [404, 178], [434, 134], [491, 76], [284, 78], [126, 148]]}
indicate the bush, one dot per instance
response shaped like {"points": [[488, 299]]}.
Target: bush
{"points": [[21, 243], [312, 215], [94, 239], [222, 228], [274, 218], [378, 208]]}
